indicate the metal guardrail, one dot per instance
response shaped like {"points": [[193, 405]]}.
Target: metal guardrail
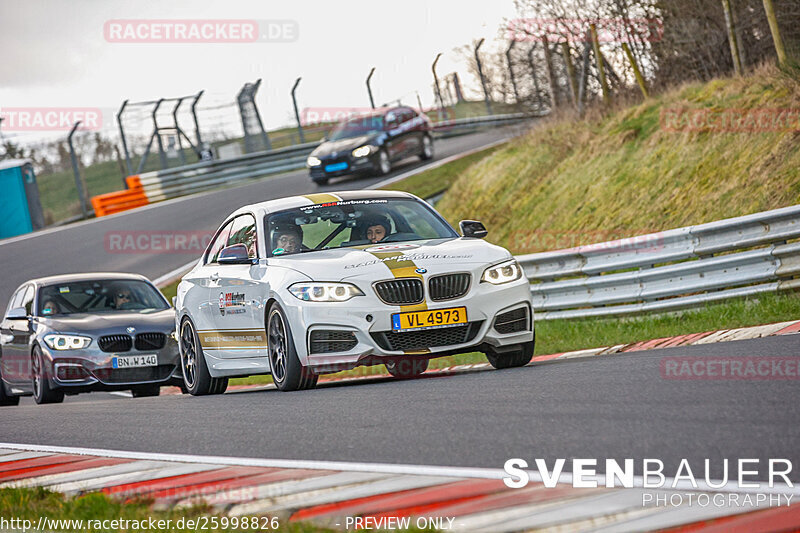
{"points": [[171, 183], [669, 270]]}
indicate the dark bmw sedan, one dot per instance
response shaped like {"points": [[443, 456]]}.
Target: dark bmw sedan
{"points": [[370, 143], [86, 332]]}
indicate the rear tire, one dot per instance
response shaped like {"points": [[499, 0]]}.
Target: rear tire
{"points": [[426, 153], [146, 391], [320, 181], [407, 368], [5, 398], [288, 373], [512, 359], [42, 392], [383, 165], [196, 378]]}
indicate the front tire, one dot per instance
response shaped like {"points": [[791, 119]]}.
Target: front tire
{"points": [[197, 379], [42, 392], [320, 181], [426, 153], [288, 373], [407, 368], [384, 164], [511, 359]]}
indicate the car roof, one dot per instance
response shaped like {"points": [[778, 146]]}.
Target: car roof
{"points": [[304, 200], [85, 276]]}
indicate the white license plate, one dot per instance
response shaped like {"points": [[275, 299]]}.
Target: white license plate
{"points": [[132, 361]]}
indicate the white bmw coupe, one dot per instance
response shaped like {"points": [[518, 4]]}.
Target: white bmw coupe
{"points": [[307, 285]]}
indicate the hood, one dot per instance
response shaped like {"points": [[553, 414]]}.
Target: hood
{"points": [[376, 262], [342, 145], [112, 322]]}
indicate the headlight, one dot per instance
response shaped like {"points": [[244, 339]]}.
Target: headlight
{"points": [[67, 342], [502, 273], [325, 292], [362, 151], [313, 161]]}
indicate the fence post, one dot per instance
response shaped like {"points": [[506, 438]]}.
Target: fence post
{"points": [[573, 84], [587, 47], [369, 89], [196, 123], [297, 113], [776, 32], [636, 71], [534, 76], [124, 142], [737, 62], [548, 59], [511, 71], [483, 80], [436, 81], [76, 171], [601, 71]]}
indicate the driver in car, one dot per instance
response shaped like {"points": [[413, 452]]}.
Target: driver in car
{"points": [[378, 227], [122, 298], [287, 240]]}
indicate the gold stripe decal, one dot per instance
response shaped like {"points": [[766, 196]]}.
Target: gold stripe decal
{"points": [[321, 198], [233, 339]]}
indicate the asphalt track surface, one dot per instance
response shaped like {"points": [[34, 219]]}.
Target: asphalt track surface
{"points": [[615, 406], [86, 247]]}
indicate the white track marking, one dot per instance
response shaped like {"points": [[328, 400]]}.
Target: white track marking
{"points": [[12, 456], [130, 477], [89, 473]]}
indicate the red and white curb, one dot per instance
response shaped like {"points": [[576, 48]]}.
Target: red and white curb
{"points": [[334, 494]]}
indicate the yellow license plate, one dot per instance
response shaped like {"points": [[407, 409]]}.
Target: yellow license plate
{"points": [[437, 318]]}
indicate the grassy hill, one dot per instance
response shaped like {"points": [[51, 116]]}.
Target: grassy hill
{"points": [[637, 170]]}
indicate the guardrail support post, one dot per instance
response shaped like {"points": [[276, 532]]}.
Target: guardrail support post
{"points": [[483, 79], [369, 88], [296, 112], [75, 170]]}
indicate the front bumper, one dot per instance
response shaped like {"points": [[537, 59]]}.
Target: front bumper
{"points": [[368, 322], [92, 369], [354, 166]]}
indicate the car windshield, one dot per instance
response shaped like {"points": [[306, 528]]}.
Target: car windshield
{"points": [[351, 223], [99, 296], [356, 127]]}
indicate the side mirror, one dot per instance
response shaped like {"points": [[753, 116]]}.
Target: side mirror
{"points": [[18, 313], [236, 254], [473, 228], [324, 139]]}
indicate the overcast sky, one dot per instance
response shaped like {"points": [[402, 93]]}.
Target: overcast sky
{"points": [[54, 53]]}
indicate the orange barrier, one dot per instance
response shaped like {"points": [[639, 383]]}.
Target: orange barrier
{"points": [[115, 202]]}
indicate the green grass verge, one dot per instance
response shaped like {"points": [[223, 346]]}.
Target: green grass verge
{"points": [[33, 503], [439, 179], [574, 182]]}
